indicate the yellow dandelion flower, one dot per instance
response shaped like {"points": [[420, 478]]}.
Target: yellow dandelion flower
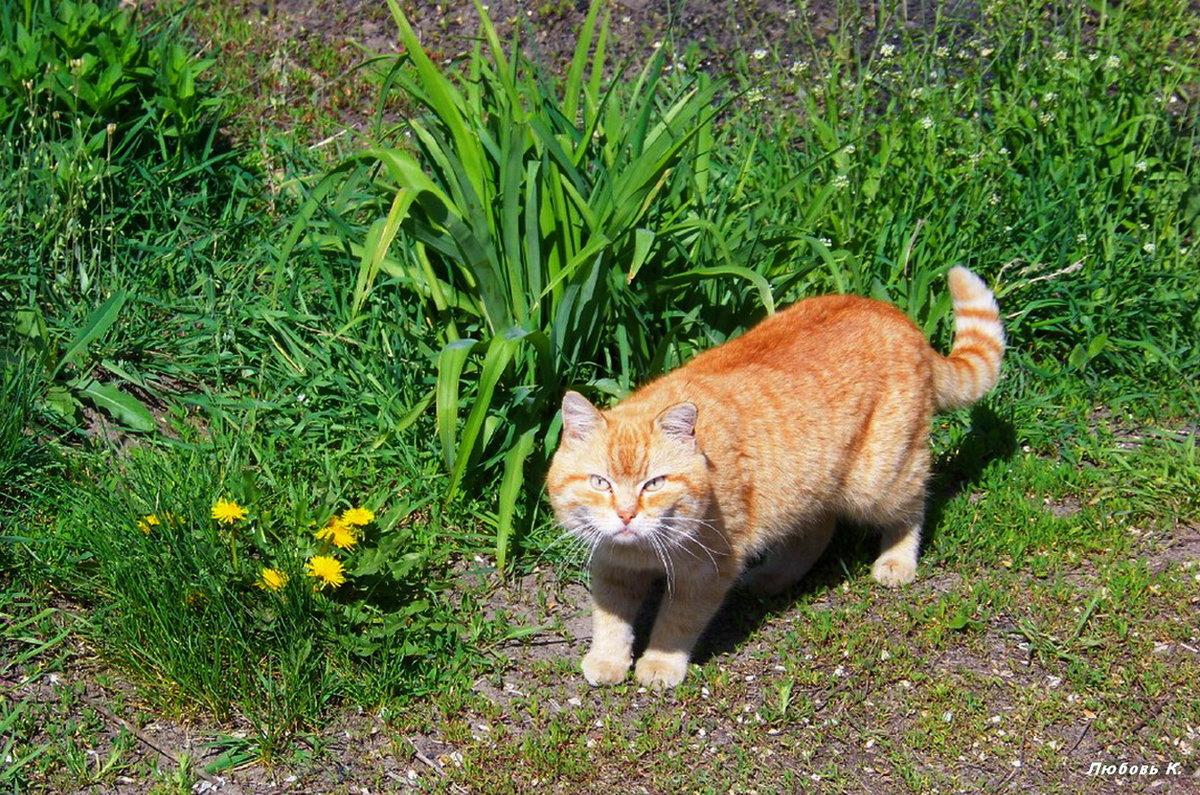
{"points": [[328, 570], [344, 536], [271, 579], [228, 512], [148, 523], [358, 517], [335, 526], [339, 532]]}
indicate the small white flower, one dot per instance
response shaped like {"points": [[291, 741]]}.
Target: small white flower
{"points": [[849, 149], [1149, 247], [927, 123], [994, 199], [916, 93], [799, 67], [1046, 118], [1003, 150], [755, 95], [841, 181], [1060, 56], [1112, 62], [942, 52], [1140, 166], [1081, 238], [986, 51], [824, 241], [887, 50], [1093, 56], [759, 54], [1049, 97], [1022, 66]]}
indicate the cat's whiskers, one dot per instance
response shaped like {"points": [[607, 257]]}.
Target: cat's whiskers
{"points": [[681, 536], [680, 541], [575, 544], [664, 556]]}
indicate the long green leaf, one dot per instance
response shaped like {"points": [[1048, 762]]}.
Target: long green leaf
{"points": [[379, 239], [763, 287], [499, 352], [449, 375], [444, 100], [98, 322], [510, 492]]}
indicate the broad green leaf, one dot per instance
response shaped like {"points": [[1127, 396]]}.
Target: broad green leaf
{"points": [[125, 408]]}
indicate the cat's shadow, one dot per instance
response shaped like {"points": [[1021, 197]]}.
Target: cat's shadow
{"points": [[852, 549]]}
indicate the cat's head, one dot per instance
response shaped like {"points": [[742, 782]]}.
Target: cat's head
{"points": [[629, 476]]}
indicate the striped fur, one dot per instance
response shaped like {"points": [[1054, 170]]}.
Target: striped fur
{"points": [[971, 369], [753, 450]]}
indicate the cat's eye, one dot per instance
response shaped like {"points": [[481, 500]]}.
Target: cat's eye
{"points": [[653, 484], [599, 484]]}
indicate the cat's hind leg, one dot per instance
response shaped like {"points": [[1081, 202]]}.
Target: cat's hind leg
{"points": [[787, 564], [898, 551]]}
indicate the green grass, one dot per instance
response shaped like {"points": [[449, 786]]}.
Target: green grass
{"points": [[247, 322]]}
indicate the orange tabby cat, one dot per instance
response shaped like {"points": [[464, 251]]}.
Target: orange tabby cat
{"points": [[820, 412]]}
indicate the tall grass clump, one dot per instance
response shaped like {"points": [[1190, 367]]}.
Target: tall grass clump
{"points": [[1054, 152], [523, 212]]}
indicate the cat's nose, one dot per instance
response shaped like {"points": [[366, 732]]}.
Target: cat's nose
{"points": [[626, 514]]}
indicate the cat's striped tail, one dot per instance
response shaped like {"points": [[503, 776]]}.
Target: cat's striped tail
{"points": [[973, 365]]}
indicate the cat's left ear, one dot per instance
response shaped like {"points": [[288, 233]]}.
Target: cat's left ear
{"points": [[678, 422]]}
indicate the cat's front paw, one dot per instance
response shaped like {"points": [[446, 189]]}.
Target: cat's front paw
{"points": [[894, 571], [601, 669], [661, 671]]}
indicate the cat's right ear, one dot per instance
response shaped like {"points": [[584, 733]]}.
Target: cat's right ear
{"points": [[580, 417]]}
